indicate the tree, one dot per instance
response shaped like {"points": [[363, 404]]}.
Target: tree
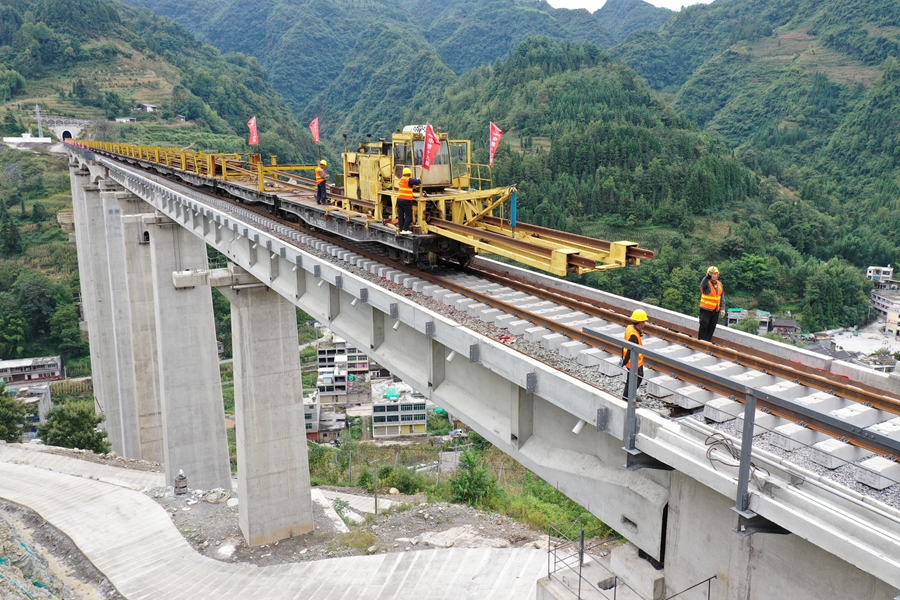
{"points": [[39, 297], [768, 301], [13, 327], [472, 483], [10, 238], [74, 425], [66, 333], [12, 416], [747, 326]]}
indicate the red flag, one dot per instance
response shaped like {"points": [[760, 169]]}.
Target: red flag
{"points": [[432, 145], [314, 127], [495, 134], [254, 135]]}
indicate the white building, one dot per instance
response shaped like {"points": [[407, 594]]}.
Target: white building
{"points": [[27, 138], [886, 301], [893, 322], [20, 370], [879, 273], [405, 415], [882, 277], [343, 372]]}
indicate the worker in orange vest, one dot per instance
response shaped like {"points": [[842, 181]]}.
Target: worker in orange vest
{"points": [[321, 179], [634, 333], [405, 200], [711, 304]]}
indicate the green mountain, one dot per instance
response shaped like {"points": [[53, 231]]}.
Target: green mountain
{"points": [[89, 58], [306, 44], [770, 151], [622, 17]]}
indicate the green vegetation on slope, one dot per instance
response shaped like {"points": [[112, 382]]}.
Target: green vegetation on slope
{"points": [[110, 57], [38, 266]]}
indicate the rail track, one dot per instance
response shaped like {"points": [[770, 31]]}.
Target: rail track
{"points": [[878, 433]]}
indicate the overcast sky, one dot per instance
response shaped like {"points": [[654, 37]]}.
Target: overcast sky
{"points": [[593, 5]]}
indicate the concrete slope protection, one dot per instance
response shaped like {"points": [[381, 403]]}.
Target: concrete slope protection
{"points": [[132, 541]]}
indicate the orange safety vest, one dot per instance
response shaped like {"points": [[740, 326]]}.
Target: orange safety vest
{"points": [[712, 300], [321, 176], [630, 332], [406, 191]]}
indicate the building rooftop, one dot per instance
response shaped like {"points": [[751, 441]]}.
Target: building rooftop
{"points": [[18, 363]]}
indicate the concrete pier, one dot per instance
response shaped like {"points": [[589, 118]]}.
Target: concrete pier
{"points": [[136, 249], [93, 263], [273, 469], [120, 310], [193, 415]]}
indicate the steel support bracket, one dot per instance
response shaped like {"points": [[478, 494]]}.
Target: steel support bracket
{"points": [[749, 523], [603, 419], [636, 460]]}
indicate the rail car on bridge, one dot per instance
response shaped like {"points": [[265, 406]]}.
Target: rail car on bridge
{"points": [[457, 212]]}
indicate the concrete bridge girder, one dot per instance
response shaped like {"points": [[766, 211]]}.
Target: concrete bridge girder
{"points": [[493, 392], [482, 392]]}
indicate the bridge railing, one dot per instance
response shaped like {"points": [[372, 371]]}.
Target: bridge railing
{"points": [[573, 562]]}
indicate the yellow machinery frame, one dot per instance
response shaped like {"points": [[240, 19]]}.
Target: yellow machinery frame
{"points": [[454, 211]]}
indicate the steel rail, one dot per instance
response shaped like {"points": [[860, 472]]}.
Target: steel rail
{"points": [[737, 391], [633, 252], [821, 380]]}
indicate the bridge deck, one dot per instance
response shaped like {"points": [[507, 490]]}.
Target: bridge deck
{"points": [[132, 541]]}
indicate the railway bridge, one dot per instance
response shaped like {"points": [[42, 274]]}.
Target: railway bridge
{"points": [[755, 525]]}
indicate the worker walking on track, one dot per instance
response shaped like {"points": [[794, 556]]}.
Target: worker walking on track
{"points": [[405, 200], [712, 304], [321, 179], [634, 333]]}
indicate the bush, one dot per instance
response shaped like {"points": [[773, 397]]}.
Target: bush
{"points": [[12, 416], [407, 481], [747, 326], [472, 483], [366, 479], [74, 425]]}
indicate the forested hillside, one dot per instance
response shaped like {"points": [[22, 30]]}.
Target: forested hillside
{"points": [[594, 150], [622, 17], [305, 45], [89, 58], [759, 135], [96, 59]]}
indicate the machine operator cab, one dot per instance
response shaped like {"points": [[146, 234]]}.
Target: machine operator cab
{"points": [[371, 171]]}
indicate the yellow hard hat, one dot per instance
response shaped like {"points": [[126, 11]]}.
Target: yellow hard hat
{"points": [[639, 315], [323, 162], [712, 270], [407, 171]]}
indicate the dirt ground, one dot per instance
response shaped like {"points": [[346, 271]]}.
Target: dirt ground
{"points": [[212, 529]]}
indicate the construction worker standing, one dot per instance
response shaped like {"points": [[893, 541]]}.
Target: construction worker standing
{"points": [[405, 200], [711, 304], [634, 333], [321, 179]]}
